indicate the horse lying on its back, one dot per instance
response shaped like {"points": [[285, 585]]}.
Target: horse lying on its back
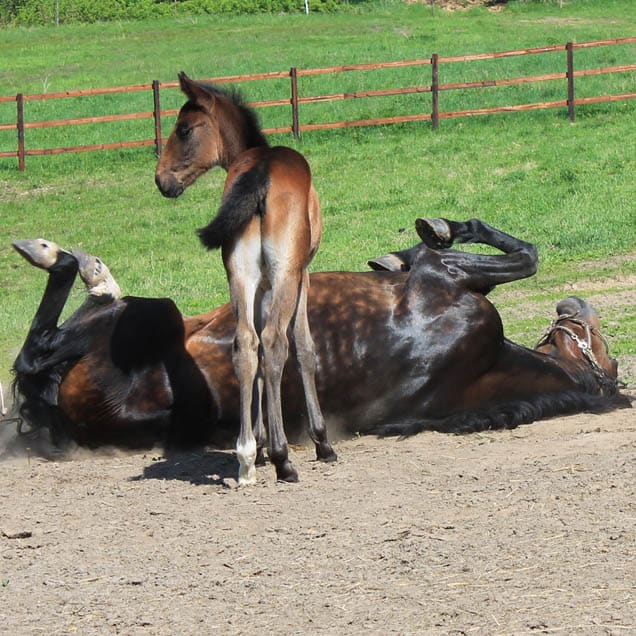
{"points": [[397, 352]]}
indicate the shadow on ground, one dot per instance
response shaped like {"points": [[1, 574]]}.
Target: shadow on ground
{"points": [[198, 468]]}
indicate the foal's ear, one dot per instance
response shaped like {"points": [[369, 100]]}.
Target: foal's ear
{"points": [[195, 92]]}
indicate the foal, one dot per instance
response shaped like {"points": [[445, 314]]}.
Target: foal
{"points": [[268, 227]]}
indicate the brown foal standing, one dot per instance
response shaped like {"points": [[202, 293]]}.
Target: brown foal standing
{"points": [[269, 227]]}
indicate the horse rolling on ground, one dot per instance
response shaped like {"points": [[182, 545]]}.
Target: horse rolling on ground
{"points": [[398, 352], [269, 228]]}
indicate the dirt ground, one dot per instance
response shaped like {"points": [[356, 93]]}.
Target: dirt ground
{"points": [[529, 531], [458, 5]]}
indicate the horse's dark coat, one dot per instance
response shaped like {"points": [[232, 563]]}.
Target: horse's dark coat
{"points": [[397, 352]]}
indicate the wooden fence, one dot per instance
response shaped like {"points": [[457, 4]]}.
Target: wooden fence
{"points": [[296, 100]]}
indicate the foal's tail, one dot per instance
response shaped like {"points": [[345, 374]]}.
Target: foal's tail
{"points": [[244, 199]]}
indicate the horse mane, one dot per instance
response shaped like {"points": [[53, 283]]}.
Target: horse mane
{"points": [[507, 415], [252, 126]]}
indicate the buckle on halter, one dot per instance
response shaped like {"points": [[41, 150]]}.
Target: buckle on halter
{"points": [[582, 344]]}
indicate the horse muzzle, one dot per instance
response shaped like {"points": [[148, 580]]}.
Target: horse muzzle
{"points": [[169, 186]]}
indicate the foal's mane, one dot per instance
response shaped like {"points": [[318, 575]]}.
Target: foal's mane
{"points": [[251, 124]]}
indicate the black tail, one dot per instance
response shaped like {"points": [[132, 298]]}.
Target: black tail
{"points": [[244, 199]]}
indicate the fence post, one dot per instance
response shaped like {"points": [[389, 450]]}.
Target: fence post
{"points": [[294, 101], [157, 116], [19, 98], [570, 60], [435, 90]]}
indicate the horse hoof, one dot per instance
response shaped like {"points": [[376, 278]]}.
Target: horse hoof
{"points": [[247, 474], [260, 460], [435, 233], [246, 481], [326, 454], [286, 473]]}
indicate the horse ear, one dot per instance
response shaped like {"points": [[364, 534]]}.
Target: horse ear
{"points": [[195, 92]]}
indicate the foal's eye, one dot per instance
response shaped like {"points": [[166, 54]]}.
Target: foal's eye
{"points": [[184, 131]]}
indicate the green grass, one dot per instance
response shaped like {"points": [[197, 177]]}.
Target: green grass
{"points": [[569, 188]]}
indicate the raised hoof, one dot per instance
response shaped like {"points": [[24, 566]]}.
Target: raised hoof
{"points": [[38, 252], [435, 233], [286, 472]]}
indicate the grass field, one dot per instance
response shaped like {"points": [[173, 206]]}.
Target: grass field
{"points": [[569, 188]]}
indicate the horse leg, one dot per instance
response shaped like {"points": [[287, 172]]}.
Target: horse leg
{"points": [[479, 272], [305, 354], [275, 351], [258, 426], [257, 414], [244, 276], [245, 358]]}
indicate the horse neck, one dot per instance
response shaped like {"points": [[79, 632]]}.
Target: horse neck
{"points": [[239, 132], [58, 288], [550, 373]]}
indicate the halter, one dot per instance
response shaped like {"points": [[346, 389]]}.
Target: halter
{"points": [[607, 384]]}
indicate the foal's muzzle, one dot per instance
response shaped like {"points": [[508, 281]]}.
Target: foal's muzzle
{"points": [[169, 186]]}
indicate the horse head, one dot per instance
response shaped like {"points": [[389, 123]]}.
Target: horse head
{"points": [[575, 335], [213, 127]]}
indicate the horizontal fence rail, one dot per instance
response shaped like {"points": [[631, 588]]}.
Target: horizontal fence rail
{"points": [[294, 102]]}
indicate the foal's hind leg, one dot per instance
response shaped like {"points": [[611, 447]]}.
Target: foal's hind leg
{"points": [[305, 354], [275, 351], [243, 269], [257, 416], [478, 271], [245, 357]]}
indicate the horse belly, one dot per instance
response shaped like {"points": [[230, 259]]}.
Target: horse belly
{"points": [[91, 396]]}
